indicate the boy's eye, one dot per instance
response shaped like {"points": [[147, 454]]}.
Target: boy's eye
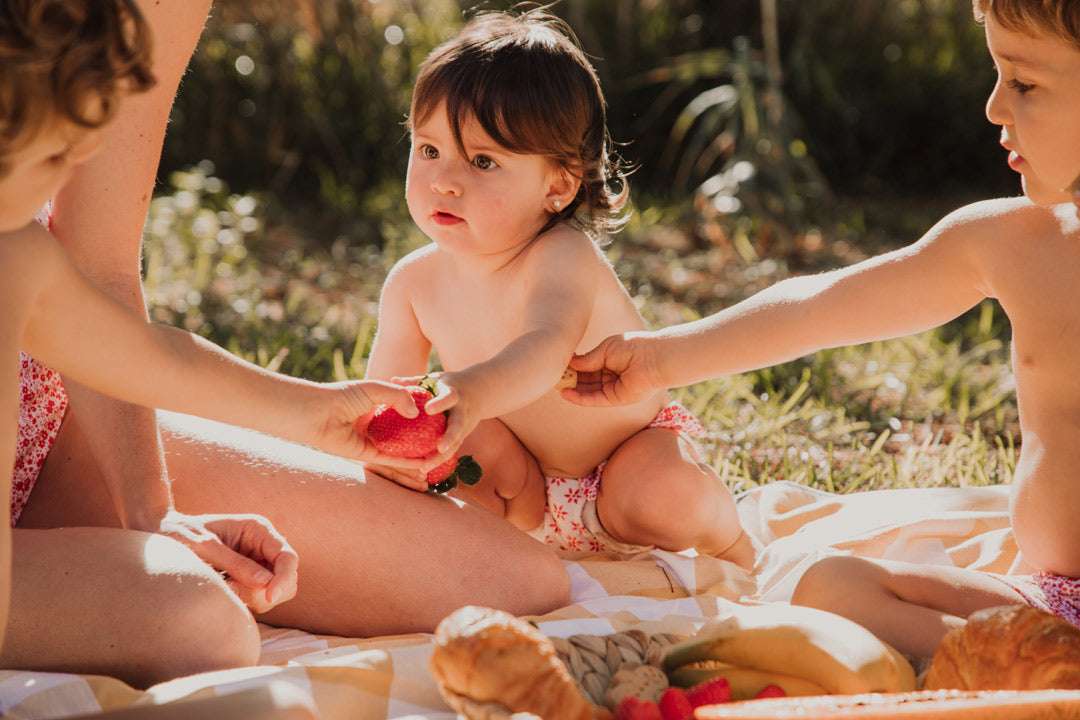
{"points": [[1020, 87], [429, 152], [483, 162]]}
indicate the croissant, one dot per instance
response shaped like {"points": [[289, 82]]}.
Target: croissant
{"points": [[489, 664], [1013, 647]]}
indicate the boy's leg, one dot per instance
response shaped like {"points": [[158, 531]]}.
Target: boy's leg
{"points": [[375, 558], [656, 490], [136, 606], [908, 605], [512, 486]]}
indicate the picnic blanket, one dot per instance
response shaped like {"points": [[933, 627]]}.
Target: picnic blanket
{"points": [[387, 677]]}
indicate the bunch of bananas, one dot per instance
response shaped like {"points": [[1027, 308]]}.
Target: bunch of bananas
{"points": [[803, 650]]}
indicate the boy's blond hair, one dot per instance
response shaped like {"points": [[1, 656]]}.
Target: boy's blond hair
{"points": [[1034, 17], [67, 60]]}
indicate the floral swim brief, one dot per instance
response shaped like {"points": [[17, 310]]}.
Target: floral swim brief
{"points": [[42, 404], [571, 524], [1055, 594]]}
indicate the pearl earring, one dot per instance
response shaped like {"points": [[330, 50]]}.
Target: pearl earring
{"points": [[557, 205]]}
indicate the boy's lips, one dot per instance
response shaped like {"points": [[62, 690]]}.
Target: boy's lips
{"points": [[1015, 160]]}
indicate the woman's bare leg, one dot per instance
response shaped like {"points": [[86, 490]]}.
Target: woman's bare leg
{"points": [[375, 558], [908, 605], [133, 605]]}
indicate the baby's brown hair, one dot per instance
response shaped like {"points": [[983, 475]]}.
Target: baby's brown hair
{"points": [[67, 60], [1034, 17], [526, 81]]}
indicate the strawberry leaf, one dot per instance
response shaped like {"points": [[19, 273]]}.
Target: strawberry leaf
{"points": [[468, 471]]}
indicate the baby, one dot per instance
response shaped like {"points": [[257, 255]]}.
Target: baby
{"points": [[512, 177]]}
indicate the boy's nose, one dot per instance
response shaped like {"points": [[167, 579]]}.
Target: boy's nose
{"points": [[996, 112]]}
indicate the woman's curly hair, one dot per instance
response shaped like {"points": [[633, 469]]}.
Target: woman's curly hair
{"points": [[526, 81], [67, 60]]}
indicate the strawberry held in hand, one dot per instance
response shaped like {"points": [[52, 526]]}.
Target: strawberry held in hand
{"points": [[395, 434]]}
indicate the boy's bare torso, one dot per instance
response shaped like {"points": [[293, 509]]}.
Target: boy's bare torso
{"points": [[469, 321], [1032, 266]]}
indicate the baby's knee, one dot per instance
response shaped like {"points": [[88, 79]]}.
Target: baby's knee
{"points": [[203, 625]]}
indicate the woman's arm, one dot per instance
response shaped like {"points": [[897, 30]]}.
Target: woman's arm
{"points": [[98, 218]]}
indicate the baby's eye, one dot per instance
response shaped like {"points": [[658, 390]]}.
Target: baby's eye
{"points": [[429, 152], [483, 162], [1020, 87]]}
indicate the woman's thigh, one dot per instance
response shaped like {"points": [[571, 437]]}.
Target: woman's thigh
{"points": [[375, 558], [137, 606]]}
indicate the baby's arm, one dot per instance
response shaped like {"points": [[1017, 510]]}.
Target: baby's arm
{"points": [[909, 290], [560, 281]]}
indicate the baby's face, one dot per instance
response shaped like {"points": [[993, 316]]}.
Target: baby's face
{"points": [[1037, 105], [40, 168]]}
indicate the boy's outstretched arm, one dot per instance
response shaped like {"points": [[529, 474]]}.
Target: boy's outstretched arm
{"points": [[908, 290]]}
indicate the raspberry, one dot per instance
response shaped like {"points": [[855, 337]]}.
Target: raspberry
{"points": [[634, 708], [674, 705], [710, 692], [770, 691]]}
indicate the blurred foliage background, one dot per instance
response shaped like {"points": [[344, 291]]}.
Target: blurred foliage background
{"points": [[771, 137], [303, 101]]}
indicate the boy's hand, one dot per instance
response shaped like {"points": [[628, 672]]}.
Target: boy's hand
{"points": [[258, 563], [618, 371]]}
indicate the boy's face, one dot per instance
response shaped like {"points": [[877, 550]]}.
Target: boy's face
{"points": [[1036, 101], [484, 202], [39, 169]]}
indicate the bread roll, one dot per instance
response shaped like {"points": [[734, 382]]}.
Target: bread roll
{"points": [[1013, 647], [490, 664]]}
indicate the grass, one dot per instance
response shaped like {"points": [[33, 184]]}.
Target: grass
{"points": [[934, 409]]}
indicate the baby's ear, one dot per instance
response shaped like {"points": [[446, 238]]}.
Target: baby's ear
{"points": [[563, 187]]}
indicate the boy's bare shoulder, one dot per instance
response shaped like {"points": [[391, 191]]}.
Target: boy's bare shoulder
{"points": [[1015, 218]]}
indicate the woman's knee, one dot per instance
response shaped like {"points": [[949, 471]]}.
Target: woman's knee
{"points": [[203, 625]]}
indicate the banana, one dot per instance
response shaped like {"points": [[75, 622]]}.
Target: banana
{"points": [[745, 683], [820, 647]]}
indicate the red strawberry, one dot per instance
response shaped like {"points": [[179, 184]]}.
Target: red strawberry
{"points": [[394, 434], [770, 691], [632, 707], [674, 705], [710, 692]]}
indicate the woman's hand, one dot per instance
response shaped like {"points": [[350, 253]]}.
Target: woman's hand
{"points": [[257, 562]]}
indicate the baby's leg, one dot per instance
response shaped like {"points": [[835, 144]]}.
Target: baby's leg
{"points": [[513, 485], [656, 490], [908, 605], [116, 602]]}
